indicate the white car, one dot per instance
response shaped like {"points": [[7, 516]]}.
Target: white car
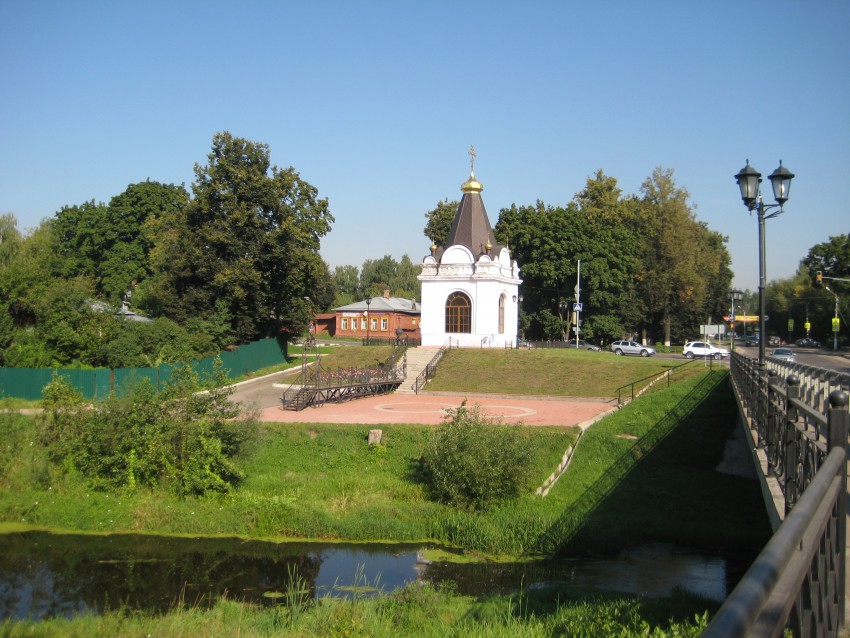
{"points": [[703, 349]]}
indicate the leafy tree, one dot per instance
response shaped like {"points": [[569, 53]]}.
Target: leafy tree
{"points": [[404, 282], [475, 462], [32, 269], [549, 241], [347, 282], [110, 243], [250, 237], [150, 344], [10, 238], [832, 258], [439, 221], [376, 275], [685, 266]]}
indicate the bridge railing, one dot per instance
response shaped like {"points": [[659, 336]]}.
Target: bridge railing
{"points": [[798, 580]]}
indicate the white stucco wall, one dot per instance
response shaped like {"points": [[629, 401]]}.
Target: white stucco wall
{"points": [[483, 282]]}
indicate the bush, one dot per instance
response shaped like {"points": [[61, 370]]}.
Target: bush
{"points": [[474, 462], [185, 436]]}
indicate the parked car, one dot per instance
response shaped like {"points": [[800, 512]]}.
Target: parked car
{"points": [[703, 349], [785, 354], [806, 342], [586, 345], [631, 347]]}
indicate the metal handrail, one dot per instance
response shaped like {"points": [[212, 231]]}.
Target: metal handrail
{"points": [[798, 580], [431, 369], [762, 602], [667, 373]]}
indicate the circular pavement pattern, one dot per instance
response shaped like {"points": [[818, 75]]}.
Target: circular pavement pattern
{"points": [[503, 411], [431, 410]]}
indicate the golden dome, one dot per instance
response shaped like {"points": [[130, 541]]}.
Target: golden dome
{"points": [[471, 185]]}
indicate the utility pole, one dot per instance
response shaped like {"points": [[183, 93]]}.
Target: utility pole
{"points": [[835, 321], [577, 307]]}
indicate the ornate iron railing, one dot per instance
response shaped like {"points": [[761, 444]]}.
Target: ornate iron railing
{"points": [[319, 384], [798, 580]]}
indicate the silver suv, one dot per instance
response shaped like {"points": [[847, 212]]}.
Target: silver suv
{"points": [[631, 347], [703, 349]]}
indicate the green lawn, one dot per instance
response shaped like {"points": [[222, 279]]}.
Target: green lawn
{"points": [[558, 372]]}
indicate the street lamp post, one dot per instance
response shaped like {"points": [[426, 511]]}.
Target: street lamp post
{"points": [[368, 319], [734, 295], [748, 180], [562, 306]]}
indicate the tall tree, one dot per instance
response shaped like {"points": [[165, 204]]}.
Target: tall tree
{"points": [[672, 279], [347, 282], [404, 282], [549, 241], [248, 243], [376, 275], [832, 258], [110, 243], [10, 238], [439, 221]]}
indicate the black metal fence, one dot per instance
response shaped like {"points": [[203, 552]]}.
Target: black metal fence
{"points": [[798, 580]]}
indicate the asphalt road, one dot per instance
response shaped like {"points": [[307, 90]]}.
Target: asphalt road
{"points": [[261, 393]]}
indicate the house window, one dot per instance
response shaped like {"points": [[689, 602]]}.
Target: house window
{"points": [[458, 313], [502, 299], [344, 323], [383, 324], [374, 325], [363, 323]]}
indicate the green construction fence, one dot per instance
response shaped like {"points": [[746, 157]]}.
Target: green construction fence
{"points": [[27, 383]]}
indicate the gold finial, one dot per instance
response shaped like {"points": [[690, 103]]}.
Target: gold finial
{"points": [[471, 185], [488, 246], [433, 247]]}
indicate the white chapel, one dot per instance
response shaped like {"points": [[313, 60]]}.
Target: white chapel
{"points": [[470, 287]]}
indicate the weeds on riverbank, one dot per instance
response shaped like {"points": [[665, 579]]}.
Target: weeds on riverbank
{"points": [[416, 610]]}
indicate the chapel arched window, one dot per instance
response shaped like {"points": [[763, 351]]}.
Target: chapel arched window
{"points": [[502, 300], [458, 313]]}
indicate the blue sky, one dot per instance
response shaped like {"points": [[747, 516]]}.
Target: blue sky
{"points": [[377, 103]]}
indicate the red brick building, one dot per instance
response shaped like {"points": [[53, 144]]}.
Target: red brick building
{"points": [[379, 318]]}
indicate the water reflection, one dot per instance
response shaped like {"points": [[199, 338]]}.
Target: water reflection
{"points": [[44, 575]]}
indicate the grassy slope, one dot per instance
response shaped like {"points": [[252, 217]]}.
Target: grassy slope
{"points": [[559, 372]]}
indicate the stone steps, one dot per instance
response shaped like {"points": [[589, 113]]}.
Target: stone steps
{"points": [[417, 360]]}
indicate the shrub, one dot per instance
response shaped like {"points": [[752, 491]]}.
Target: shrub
{"points": [[186, 436], [473, 461]]}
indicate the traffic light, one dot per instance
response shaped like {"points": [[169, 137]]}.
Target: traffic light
{"points": [[819, 276]]}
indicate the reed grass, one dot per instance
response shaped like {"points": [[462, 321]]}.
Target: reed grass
{"points": [[419, 610]]}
